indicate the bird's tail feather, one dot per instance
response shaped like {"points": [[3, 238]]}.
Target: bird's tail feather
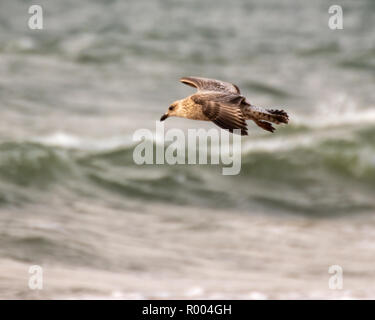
{"points": [[278, 116], [265, 125], [271, 115], [262, 117]]}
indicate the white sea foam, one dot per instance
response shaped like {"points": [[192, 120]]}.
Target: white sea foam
{"points": [[338, 110], [307, 139], [65, 140]]}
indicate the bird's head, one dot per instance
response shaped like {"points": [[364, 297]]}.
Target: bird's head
{"points": [[174, 110]]}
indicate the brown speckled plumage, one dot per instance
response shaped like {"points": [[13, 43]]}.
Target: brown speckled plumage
{"points": [[222, 103]]}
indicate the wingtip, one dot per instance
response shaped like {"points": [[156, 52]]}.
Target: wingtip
{"points": [[186, 78], [243, 132], [188, 81]]}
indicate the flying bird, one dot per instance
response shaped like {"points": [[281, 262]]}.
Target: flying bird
{"points": [[222, 103]]}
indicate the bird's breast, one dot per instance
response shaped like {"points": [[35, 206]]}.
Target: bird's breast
{"points": [[194, 111]]}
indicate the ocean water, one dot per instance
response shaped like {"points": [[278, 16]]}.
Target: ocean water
{"points": [[73, 201]]}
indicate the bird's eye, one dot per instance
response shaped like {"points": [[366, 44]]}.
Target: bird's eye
{"points": [[171, 108]]}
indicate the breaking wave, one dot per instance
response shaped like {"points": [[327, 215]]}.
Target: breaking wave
{"points": [[297, 171]]}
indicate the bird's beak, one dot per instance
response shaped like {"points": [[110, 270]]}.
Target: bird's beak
{"points": [[164, 116]]}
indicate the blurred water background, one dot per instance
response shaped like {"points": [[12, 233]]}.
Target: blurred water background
{"points": [[73, 201]]}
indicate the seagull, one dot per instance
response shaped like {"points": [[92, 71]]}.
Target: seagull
{"points": [[222, 103]]}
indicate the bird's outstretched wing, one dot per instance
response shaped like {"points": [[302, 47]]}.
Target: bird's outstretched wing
{"points": [[226, 116], [205, 84]]}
